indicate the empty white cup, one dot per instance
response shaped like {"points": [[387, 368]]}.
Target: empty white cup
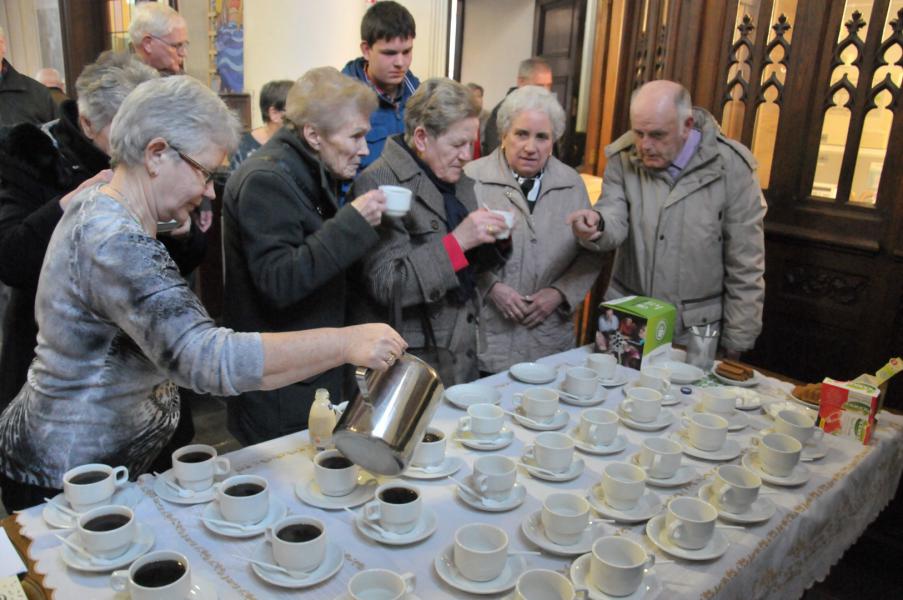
{"points": [[705, 431], [797, 425], [398, 200], [552, 451], [718, 400], [622, 485], [480, 551], [778, 453], [509, 223], [381, 584], [735, 488], [483, 421], [656, 378], [642, 404], [565, 517], [494, 476], [540, 404], [581, 381], [598, 426], [617, 565], [690, 522], [603, 364], [543, 584], [659, 457]]}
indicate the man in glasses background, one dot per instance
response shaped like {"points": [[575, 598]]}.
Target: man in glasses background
{"points": [[159, 36]]}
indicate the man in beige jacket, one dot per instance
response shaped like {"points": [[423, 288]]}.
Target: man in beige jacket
{"points": [[687, 202]]}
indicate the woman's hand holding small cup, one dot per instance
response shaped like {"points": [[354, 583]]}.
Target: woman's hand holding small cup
{"points": [[480, 227], [371, 206]]}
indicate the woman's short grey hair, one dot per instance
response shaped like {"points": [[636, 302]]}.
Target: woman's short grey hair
{"points": [[178, 109], [152, 18], [438, 104], [104, 84], [531, 97], [322, 97]]}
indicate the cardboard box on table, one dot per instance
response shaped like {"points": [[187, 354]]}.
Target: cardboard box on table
{"points": [[644, 329], [848, 409]]}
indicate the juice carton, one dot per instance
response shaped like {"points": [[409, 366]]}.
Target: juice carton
{"points": [[848, 408], [635, 329]]}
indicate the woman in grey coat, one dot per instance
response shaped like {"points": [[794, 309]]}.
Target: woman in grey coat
{"points": [[529, 302], [431, 256]]}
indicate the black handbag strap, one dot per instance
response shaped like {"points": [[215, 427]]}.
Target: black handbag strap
{"points": [[429, 336]]}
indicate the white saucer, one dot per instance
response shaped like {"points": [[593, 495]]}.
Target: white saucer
{"points": [[669, 399], [465, 394], [276, 511], [170, 495], [450, 465], [736, 421], [716, 547], [773, 408], [649, 588], [729, 451], [798, 476], [665, 419], [647, 507], [617, 445], [752, 381], [425, 527], [53, 516], [309, 493], [574, 471], [535, 532], [559, 420], [618, 380], [504, 439], [681, 372], [760, 510], [445, 567], [144, 541], [811, 450], [514, 499], [684, 475], [531, 372], [746, 399], [575, 400], [330, 566]]}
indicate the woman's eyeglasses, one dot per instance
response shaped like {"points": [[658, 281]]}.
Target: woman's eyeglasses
{"points": [[207, 173]]}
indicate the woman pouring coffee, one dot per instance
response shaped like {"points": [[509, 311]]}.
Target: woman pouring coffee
{"points": [[118, 326]]}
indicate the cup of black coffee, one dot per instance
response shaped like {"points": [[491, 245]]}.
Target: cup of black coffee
{"points": [[108, 531], [430, 451], [299, 543], [243, 499], [161, 575], [92, 485], [335, 474], [196, 465], [396, 508]]}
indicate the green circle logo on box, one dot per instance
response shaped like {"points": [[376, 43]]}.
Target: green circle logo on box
{"points": [[660, 331]]}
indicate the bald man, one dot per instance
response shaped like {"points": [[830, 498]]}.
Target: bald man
{"points": [[159, 36], [50, 78], [531, 71], [682, 204]]}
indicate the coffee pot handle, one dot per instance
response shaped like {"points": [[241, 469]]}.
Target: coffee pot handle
{"points": [[360, 375]]}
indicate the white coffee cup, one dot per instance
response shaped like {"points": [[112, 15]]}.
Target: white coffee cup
{"points": [[779, 453], [381, 584], [430, 454], [107, 542], [539, 404], [598, 426], [245, 509], [509, 223], [483, 421], [656, 378], [735, 488], [494, 476], [299, 542], [659, 457], [101, 482], [197, 475], [797, 425], [543, 584], [180, 587], [603, 364], [705, 431], [617, 565], [340, 478], [581, 381], [719, 400], [622, 485], [396, 507], [480, 551], [565, 517], [552, 451], [642, 404], [398, 200], [690, 522]]}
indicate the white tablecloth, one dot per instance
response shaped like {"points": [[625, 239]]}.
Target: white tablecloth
{"points": [[813, 526]]}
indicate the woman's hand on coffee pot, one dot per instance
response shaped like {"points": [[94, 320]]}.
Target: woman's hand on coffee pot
{"points": [[480, 227], [371, 206], [373, 345]]}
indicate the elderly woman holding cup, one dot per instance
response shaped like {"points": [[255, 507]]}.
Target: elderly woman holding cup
{"points": [[118, 326], [427, 260], [288, 244], [528, 304]]}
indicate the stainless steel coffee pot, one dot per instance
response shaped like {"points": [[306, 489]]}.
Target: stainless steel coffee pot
{"points": [[383, 424]]}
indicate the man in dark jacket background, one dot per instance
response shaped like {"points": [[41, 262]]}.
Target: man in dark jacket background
{"points": [[22, 99]]}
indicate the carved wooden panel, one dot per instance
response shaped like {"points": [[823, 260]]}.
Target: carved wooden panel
{"points": [[824, 285]]}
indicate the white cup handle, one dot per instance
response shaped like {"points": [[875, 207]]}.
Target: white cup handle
{"points": [[480, 481], [638, 461], [591, 432], [721, 491], [410, 580], [371, 511], [464, 424], [650, 561], [269, 534], [120, 475], [530, 454], [627, 406], [673, 530], [755, 441], [221, 466], [119, 581], [516, 398]]}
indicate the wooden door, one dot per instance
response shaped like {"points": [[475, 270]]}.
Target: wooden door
{"points": [[558, 38]]}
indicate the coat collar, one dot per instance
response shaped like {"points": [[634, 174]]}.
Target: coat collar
{"points": [[288, 137]]}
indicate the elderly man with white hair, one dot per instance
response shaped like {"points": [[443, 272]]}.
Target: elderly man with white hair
{"points": [[159, 36], [22, 99]]}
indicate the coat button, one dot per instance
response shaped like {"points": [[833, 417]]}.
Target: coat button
{"points": [[434, 295], [470, 318], [661, 237], [434, 224], [719, 238], [470, 354], [534, 241]]}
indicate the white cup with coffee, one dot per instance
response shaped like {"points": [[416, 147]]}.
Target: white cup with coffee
{"points": [[705, 431], [480, 551], [334, 473], [735, 488], [430, 450], [381, 584], [107, 531], [539, 404], [603, 364], [396, 508], [243, 499], [160, 575], [398, 200], [797, 425], [508, 215], [659, 457], [494, 476], [196, 465], [598, 426], [484, 421], [617, 565], [778, 453], [643, 405], [622, 485], [92, 485], [543, 584], [565, 517], [581, 381], [299, 542], [690, 522]]}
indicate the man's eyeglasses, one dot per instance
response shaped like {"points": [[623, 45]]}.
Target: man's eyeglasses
{"points": [[207, 173], [178, 47]]}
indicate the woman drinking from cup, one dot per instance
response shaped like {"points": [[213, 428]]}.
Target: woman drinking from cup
{"points": [[427, 260], [287, 242], [529, 302], [118, 326]]}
